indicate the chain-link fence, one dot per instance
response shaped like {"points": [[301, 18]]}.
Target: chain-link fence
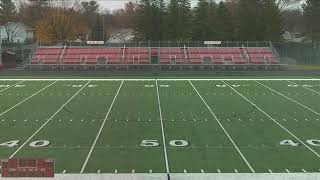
{"points": [[298, 53]]}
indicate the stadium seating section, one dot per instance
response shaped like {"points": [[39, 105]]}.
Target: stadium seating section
{"points": [[165, 55]]}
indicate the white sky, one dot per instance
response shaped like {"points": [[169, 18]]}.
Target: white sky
{"points": [[116, 4]]}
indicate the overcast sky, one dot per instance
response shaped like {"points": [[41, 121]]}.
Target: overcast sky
{"points": [[116, 4]]}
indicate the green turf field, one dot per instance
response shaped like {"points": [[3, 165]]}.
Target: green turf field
{"points": [[163, 126]]}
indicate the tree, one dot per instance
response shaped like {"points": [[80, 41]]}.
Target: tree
{"points": [[201, 26], [97, 32], [56, 26], [7, 15], [149, 22], [225, 27], [311, 12], [179, 20], [91, 7], [273, 21]]}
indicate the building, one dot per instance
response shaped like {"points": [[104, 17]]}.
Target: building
{"points": [[121, 36], [17, 32]]}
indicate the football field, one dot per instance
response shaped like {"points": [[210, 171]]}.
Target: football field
{"points": [[163, 125]]}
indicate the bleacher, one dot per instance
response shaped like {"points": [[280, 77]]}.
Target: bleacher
{"points": [[165, 56]]}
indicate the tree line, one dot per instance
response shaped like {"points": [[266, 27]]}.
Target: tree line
{"points": [[176, 20]]}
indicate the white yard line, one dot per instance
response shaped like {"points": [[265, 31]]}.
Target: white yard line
{"points": [[100, 130], [224, 130], [163, 133], [43, 125], [275, 121], [288, 98], [304, 87], [169, 79], [10, 86], [27, 98]]}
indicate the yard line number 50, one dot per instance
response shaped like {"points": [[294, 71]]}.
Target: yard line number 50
{"points": [[155, 143]]}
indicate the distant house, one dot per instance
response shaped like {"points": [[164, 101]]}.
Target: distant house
{"points": [[295, 37], [121, 36], [18, 32]]}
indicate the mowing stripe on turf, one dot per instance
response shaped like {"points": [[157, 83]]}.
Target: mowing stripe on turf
{"points": [[163, 133], [27, 98], [304, 87], [275, 121], [224, 130], [10, 86], [288, 98], [100, 130], [43, 125]]}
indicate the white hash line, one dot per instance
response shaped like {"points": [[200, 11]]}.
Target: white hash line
{"points": [[162, 132], [304, 87], [43, 125], [100, 130], [275, 121], [11, 86], [163, 79], [27, 98], [288, 98], [224, 130]]}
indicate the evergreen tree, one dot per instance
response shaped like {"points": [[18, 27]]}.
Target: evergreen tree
{"points": [[97, 30], [179, 20], [201, 26], [273, 21], [250, 25], [91, 7], [7, 11], [311, 14], [149, 22], [225, 27]]}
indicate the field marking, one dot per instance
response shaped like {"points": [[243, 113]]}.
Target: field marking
{"points": [[304, 87], [10, 86], [162, 132], [27, 98], [275, 121], [224, 130], [288, 98], [100, 130], [169, 79], [43, 125]]}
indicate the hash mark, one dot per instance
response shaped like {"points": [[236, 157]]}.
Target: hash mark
{"points": [[287, 171], [270, 171], [304, 170], [64, 171], [185, 171], [116, 171], [202, 171], [99, 171], [150, 171], [133, 171], [219, 171]]}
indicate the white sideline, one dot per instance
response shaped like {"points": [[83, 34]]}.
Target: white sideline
{"points": [[288, 98], [224, 130], [27, 98], [48, 120], [162, 132], [280, 125], [304, 87], [11, 86], [163, 79], [100, 130]]}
